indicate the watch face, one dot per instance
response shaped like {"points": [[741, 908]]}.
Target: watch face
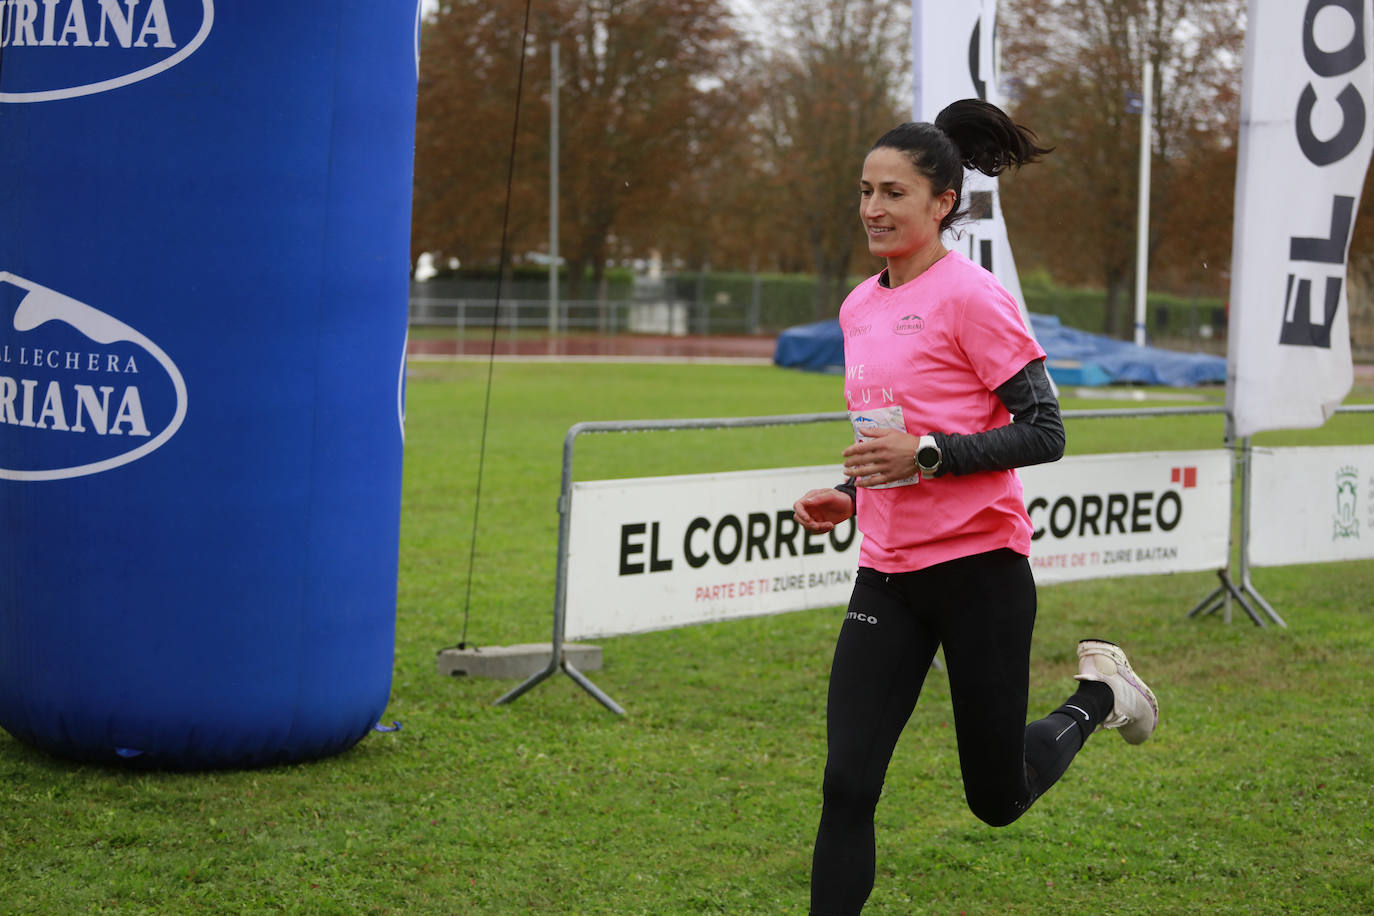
{"points": [[928, 457]]}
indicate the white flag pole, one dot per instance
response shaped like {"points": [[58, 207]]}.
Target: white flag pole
{"points": [[553, 188], [1142, 227]]}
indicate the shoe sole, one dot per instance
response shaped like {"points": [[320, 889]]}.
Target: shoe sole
{"points": [[1123, 667]]}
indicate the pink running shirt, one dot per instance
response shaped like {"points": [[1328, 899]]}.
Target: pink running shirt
{"points": [[936, 347]]}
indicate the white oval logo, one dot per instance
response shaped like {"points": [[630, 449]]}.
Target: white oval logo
{"points": [[104, 44], [79, 396]]}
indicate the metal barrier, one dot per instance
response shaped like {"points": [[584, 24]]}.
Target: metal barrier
{"points": [[671, 317], [557, 661], [1242, 591]]}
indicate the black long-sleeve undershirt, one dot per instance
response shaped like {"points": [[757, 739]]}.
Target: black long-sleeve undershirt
{"points": [[1035, 435]]}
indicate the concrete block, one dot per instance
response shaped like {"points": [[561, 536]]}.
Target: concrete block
{"points": [[519, 661]]}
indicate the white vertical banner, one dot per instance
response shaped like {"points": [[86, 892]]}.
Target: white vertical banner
{"points": [[954, 57], [1305, 141]]}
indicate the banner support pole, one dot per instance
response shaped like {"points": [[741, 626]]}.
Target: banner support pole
{"points": [[1245, 592], [1246, 585]]}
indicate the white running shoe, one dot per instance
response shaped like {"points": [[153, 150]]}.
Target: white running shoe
{"points": [[1136, 712]]}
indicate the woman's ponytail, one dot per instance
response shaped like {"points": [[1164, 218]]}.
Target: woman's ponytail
{"points": [[986, 139]]}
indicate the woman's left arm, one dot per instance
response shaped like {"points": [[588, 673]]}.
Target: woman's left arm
{"points": [[1035, 435]]}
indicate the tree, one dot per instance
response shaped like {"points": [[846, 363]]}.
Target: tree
{"points": [[645, 81], [833, 85], [469, 66], [1072, 63], [718, 215], [642, 81]]}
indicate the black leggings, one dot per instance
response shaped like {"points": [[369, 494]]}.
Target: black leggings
{"points": [[981, 609]]}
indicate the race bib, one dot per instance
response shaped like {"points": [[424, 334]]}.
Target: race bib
{"points": [[889, 417]]}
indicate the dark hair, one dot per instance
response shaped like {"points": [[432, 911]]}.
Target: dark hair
{"points": [[969, 133]]}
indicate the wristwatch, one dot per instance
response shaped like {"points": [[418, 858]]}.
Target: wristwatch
{"points": [[928, 457]]}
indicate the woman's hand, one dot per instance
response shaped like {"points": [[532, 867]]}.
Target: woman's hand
{"points": [[822, 510], [883, 456]]}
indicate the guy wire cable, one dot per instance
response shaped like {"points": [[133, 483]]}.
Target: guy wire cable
{"points": [[495, 321]]}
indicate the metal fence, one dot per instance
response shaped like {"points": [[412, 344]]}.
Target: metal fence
{"points": [[677, 318], [1237, 588]]}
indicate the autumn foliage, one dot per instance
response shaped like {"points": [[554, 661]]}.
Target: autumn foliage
{"points": [[687, 135]]}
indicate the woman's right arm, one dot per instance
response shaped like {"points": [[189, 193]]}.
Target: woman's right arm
{"points": [[822, 510]]}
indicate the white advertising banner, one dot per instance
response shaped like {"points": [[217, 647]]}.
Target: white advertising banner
{"points": [[1099, 516], [1305, 141], [658, 552], [955, 58], [1311, 505]]}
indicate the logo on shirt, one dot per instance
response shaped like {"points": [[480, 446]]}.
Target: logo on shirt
{"points": [[909, 324]]}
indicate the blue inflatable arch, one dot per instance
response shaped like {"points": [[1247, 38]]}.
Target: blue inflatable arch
{"points": [[204, 232]]}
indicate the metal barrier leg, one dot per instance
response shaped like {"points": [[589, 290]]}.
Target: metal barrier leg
{"points": [[512, 695], [1209, 605], [581, 679], [591, 688], [1250, 589], [1227, 589]]}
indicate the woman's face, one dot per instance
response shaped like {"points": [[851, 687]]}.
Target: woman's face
{"points": [[899, 213]]}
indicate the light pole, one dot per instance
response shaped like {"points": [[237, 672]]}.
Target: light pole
{"points": [[553, 188], [1142, 240]]}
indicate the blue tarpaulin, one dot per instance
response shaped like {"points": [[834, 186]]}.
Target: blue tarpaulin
{"points": [[1123, 361], [817, 347], [1074, 357]]}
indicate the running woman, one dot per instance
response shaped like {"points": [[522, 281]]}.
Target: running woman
{"points": [[948, 395]]}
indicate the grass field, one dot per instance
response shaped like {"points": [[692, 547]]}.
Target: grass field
{"points": [[1253, 797]]}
